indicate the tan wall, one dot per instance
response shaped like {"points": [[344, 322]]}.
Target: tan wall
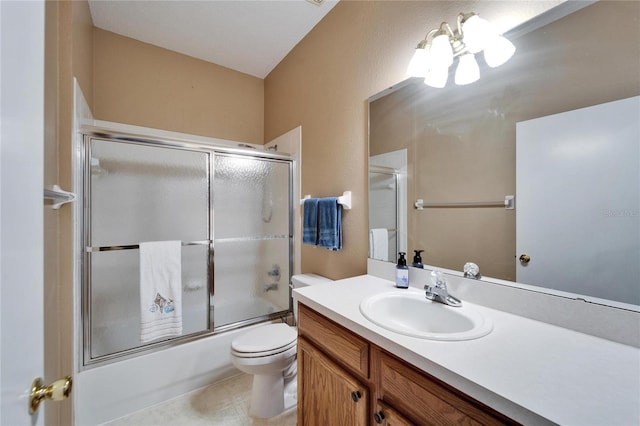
{"points": [[83, 48], [357, 50], [68, 52], [141, 84]]}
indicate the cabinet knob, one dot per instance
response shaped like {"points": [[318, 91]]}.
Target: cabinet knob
{"points": [[356, 395], [379, 417]]}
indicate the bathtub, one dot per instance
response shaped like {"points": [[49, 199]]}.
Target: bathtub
{"points": [[109, 391], [105, 392], [114, 390]]}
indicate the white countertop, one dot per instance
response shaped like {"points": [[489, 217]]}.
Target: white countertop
{"points": [[531, 371]]}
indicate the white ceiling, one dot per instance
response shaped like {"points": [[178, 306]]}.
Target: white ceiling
{"points": [[250, 36]]}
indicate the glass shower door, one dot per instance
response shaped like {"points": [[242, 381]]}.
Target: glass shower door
{"points": [[383, 211], [138, 193], [253, 238]]}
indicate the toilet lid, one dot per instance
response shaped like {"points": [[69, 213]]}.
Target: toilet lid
{"points": [[265, 338]]}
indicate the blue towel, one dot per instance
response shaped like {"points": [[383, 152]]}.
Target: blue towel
{"points": [[329, 223], [310, 221]]}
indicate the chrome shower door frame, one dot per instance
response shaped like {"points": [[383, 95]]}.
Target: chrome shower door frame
{"points": [[86, 360]]}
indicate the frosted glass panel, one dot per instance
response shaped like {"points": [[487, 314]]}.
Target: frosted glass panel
{"points": [[245, 274], [115, 298], [147, 193], [251, 197], [252, 238], [144, 192]]}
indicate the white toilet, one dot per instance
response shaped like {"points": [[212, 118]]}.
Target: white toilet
{"points": [[269, 353]]}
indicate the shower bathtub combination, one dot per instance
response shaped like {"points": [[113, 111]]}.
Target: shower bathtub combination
{"points": [[231, 210]]}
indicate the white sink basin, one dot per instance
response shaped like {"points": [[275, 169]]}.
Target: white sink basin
{"points": [[410, 313]]}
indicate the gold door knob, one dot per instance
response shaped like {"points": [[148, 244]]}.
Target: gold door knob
{"points": [[524, 259], [56, 391]]}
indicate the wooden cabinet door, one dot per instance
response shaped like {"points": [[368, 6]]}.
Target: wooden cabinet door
{"points": [[327, 394]]}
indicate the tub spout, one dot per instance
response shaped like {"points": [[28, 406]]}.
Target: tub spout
{"points": [[269, 287]]}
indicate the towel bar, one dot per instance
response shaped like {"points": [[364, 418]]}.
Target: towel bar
{"points": [[508, 204], [137, 246], [344, 200]]}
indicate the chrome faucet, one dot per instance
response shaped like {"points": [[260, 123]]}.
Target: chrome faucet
{"points": [[269, 287], [437, 291]]}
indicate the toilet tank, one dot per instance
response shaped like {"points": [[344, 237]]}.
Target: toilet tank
{"points": [[304, 280]]}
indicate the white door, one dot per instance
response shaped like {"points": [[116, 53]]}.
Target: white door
{"points": [[578, 205], [21, 204]]}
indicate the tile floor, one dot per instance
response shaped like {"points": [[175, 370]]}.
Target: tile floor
{"points": [[223, 403]]}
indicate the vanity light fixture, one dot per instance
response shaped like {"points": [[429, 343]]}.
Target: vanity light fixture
{"points": [[436, 52]]}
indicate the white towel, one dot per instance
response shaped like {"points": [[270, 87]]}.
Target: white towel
{"points": [[379, 244], [160, 290]]}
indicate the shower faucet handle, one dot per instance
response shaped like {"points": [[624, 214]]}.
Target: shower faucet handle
{"points": [[275, 272]]}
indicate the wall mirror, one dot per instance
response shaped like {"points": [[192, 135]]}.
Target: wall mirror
{"points": [[560, 121]]}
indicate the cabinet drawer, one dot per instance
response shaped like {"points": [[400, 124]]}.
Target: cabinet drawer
{"points": [[428, 401], [344, 346]]}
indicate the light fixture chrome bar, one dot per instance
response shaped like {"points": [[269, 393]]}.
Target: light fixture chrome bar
{"points": [[137, 246], [508, 203]]}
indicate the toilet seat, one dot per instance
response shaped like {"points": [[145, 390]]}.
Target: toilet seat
{"points": [[264, 341], [263, 354]]}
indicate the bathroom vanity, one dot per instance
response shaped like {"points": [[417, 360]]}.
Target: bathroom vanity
{"points": [[345, 379], [352, 371]]}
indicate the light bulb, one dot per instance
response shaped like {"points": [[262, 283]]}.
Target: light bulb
{"points": [[441, 52], [437, 77], [476, 32], [498, 51], [468, 71], [419, 63]]}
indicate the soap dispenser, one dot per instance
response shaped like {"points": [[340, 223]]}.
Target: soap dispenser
{"points": [[417, 259], [402, 272]]}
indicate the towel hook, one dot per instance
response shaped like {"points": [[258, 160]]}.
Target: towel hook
{"points": [[59, 196]]}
